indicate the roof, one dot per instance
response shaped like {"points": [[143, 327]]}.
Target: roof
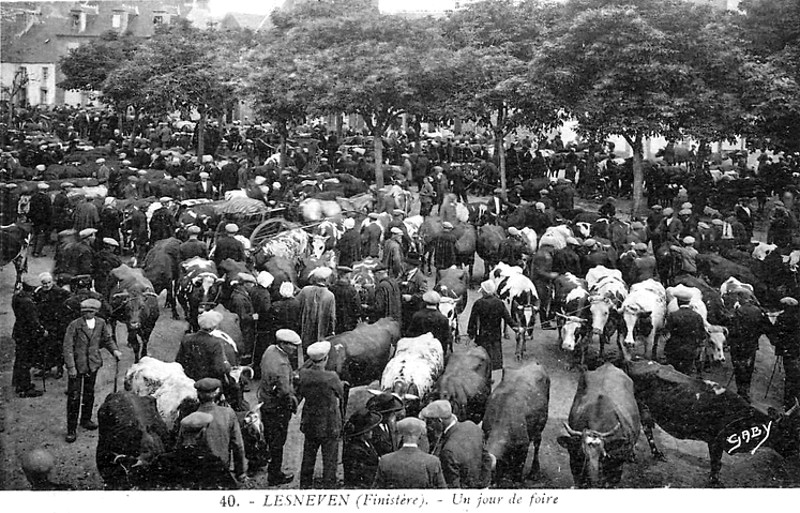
{"points": [[243, 20]]}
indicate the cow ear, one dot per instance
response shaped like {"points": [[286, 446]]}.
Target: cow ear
{"points": [[565, 441], [259, 405]]}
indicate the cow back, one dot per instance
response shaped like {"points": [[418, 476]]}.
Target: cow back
{"points": [[359, 356], [489, 238], [467, 383]]}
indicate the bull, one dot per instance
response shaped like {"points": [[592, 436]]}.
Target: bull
{"points": [[131, 436], [573, 315], [694, 409], [135, 303], [607, 294], [466, 383], [645, 315], [516, 414], [413, 370], [603, 427], [161, 268]]}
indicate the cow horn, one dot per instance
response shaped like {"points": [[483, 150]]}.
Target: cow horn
{"points": [[609, 433], [794, 408], [248, 371], [374, 392], [410, 397], [119, 457], [139, 463], [571, 431]]}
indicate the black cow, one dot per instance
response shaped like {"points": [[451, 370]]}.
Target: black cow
{"points": [[466, 383], [139, 311], [132, 435], [161, 268], [696, 409], [14, 241]]}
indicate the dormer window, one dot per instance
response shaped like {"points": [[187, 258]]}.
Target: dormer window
{"points": [[116, 21], [158, 19], [78, 19]]}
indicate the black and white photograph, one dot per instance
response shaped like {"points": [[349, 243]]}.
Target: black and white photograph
{"points": [[424, 254]]}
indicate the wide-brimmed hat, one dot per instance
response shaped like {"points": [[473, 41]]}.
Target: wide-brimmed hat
{"points": [[361, 422], [384, 403]]}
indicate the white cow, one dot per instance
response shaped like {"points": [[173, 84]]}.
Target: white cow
{"points": [[762, 250], [529, 237], [607, 293], [416, 365], [522, 300], [166, 382], [646, 307], [556, 236]]}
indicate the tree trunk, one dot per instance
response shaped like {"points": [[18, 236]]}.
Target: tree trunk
{"points": [[282, 149], [638, 174], [378, 145], [501, 151], [201, 133], [133, 128], [703, 151]]}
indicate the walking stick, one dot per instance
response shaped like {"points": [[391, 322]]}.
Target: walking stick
{"points": [[774, 367], [116, 374]]}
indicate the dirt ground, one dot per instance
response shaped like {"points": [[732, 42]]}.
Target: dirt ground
{"points": [[29, 423]]}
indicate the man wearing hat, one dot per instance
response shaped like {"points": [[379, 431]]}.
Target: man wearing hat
{"points": [[644, 264], [86, 215], [240, 304], [201, 354], [317, 308], [321, 423], [409, 467], [688, 255], [136, 224], [688, 221], [393, 254], [359, 457], [193, 465], [443, 249], [595, 255], [653, 225], [193, 247], [388, 298], [82, 341], [284, 313], [349, 246], [430, 319], [223, 434], [485, 320], [567, 260], [261, 299], [384, 435], [346, 300], [163, 224], [426, 197], [744, 215], [40, 213], [228, 247], [744, 330], [670, 227], [687, 334], [787, 347], [37, 466], [397, 222], [371, 235], [278, 400], [413, 285], [512, 248], [55, 316], [638, 233], [27, 334], [459, 446], [81, 287]]}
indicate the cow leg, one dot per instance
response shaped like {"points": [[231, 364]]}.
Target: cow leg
{"points": [[715, 453], [171, 301], [647, 424], [133, 341], [535, 472]]}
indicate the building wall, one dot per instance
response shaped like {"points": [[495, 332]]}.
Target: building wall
{"points": [[41, 87]]}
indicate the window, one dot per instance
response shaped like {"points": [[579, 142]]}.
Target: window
{"points": [[45, 73], [158, 19], [23, 71], [76, 20], [116, 21], [43, 96]]}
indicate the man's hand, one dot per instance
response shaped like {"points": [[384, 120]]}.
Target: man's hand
{"points": [[118, 354]]}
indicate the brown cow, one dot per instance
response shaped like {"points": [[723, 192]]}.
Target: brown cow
{"points": [[466, 383]]}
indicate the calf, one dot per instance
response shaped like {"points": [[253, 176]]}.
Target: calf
{"points": [[695, 409], [516, 414], [603, 427]]}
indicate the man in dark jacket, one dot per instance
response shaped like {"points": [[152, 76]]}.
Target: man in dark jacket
{"points": [[162, 224], [261, 299], [787, 347], [687, 334], [201, 354], [359, 457], [388, 299], [384, 435], [567, 260], [82, 341], [241, 305], [27, 333], [444, 249], [349, 245], [409, 466], [485, 320], [193, 247], [55, 316], [104, 261], [40, 214], [278, 399], [430, 319], [110, 223], [284, 314], [347, 301], [223, 434], [459, 446], [321, 423], [137, 224], [371, 237], [749, 323], [228, 247]]}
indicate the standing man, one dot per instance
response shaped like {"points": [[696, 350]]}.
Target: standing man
{"points": [[444, 249], [745, 216], [384, 435], [241, 305], [201, 354], [687, 334], [787, 347], [349, 245], [485, 320], [104, 261], [359, 458], [82, 341], [279, 401], [393, 253], [749, 323], [371, 235], [55, 316], [317, 308], [162, 224], [459, 446], [430, 319], [193, 247], [688, 255], [27, 333], [409, 467], [347, 301], [261, 299], [223, 434], [284, 314], [40, 214], [136, 223], [388, 299], [321, 423], [228, 247], [86, 215]]}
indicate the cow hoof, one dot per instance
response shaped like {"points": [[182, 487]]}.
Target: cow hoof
{"points": [[176, 317], [715, 482]]}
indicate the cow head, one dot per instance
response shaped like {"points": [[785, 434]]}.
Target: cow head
{"points": [[600, 307], [573, 325], [447, 306], [717, 335], [206, 291], [318, 245], [587, 448]]}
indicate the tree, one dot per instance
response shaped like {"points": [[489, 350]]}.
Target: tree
{"points": [[87, 66], [18, 83], [643, 70]]}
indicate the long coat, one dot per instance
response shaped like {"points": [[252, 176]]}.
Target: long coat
{"points": [[224, 436], [388, 300], [276, 390], [85, 216], [285, 313], [82, 345], [349, 247], [348, 305], [317, 314], [371, 240], [409, 467], [485, 327], [687, 333], [41, 209], [202, 356], [322, 414], [360, 462], [465, 461]]}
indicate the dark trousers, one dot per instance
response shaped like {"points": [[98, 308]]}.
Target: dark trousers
{"points": [[40, 235], [276, 427], [80, 399], [743, 366], [24, 355], [52, 351], [425, 206], [791, 388], [330, 455]]}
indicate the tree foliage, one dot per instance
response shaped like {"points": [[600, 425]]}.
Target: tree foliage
{"points": [[87, 66]]}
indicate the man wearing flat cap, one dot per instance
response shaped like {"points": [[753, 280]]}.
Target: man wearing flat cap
{"points": [[40, 213], [278, 401], [317, 308], [201, 354], [388, 298], [430, 319], [228, 247], [82, 342], [193, 465], [409, 467], [346, 300], [193, 247], [484, 326], [86, 215], [163, 223], [688, 255], [223, 434], [393, 252], [443, 248], [644, 264], [349, 246], [321, 423], [787, 347], [459, 446], [670, 228], [744, 215], [687, 334], [359, 457], [371, 235]]}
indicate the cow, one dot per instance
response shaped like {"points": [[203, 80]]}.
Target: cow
{"points": [[135, 303], [556, 236], [603, 427], [172, 390], [716, 334], [161, 268], [466, 383], [132, 434], [573, 315], [466, 242], [292, 244], [645, 314], [198, 288], [359, 356], [363, 279], [718, 313], [413, 370], [718, 269], [607, 293], [14, 242], [452, 288], [522, 300], [489, 238], [695, 409], [516, 414]]}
